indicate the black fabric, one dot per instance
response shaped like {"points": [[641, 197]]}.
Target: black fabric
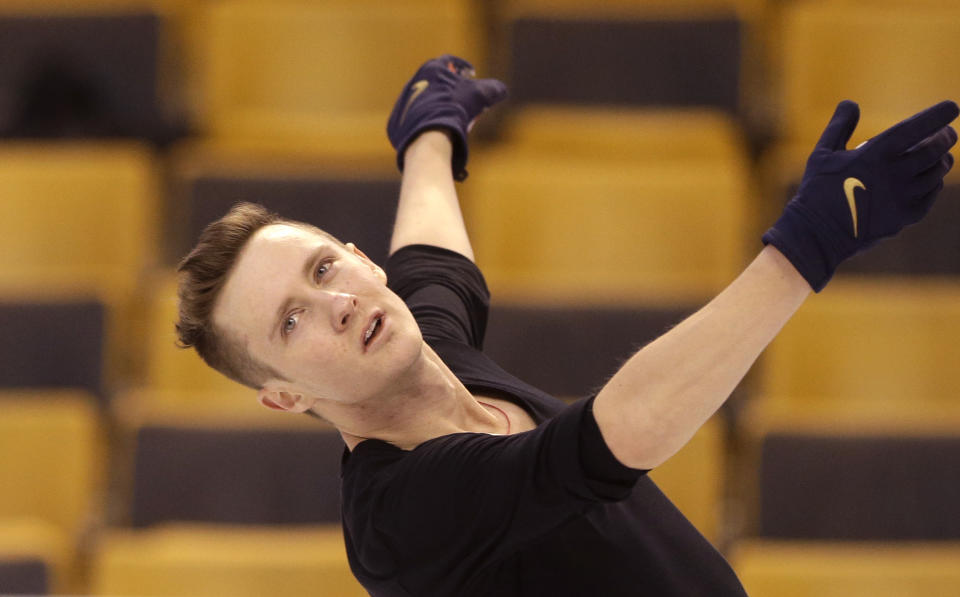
{"points": [[865, 488], [23, 576], [249, 476], [545, 512]]}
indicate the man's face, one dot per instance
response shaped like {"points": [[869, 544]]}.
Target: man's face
{"points": [[304, 305]]}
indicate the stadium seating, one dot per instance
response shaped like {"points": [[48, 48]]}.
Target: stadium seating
{"points": [[571, 350], [23, 576], [559, 227], [868, 345], [221, 504], [79, 221], [53, 343], [53, 475], [87, 70], [77, 215], [52, 467], [623, 133], [353, 199], [848, 569], [207, 561], [886, 58], [36, 557], [629, 60], [327, 72], [861, 487], [235, 474], [620, 8]]}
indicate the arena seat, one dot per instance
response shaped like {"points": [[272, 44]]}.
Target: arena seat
{"points": [[23, 576], [624, 133], [885, 57], [79, 219], [572, 349], [53, 475], [244, 474], [77, 215], [635, 58], [554, 226], [208, 561], [848, 569], [873, 344], [87, 69], [324, 71], [859, 486], [53, 467], [354, 202], [615, 8], [55, 343], [35, 558]]}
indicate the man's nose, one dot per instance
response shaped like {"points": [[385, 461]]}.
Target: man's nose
{"points": [[344, 307]]}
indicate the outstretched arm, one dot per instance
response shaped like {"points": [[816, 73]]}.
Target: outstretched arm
{"points": [[666, 391], [847, 201], [428, 127]]}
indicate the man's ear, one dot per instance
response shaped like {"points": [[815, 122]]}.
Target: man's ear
{"points": [[286, 401], [377, 270]]}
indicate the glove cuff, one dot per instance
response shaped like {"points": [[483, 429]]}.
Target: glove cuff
{"points": [[458, 161], [798, 236]]}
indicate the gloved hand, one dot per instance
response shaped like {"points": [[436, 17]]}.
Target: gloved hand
{"points": [[442, 95], [850, 199]]}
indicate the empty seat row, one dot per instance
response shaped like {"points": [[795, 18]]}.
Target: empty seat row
{"points": [[261, 73], [851, 569]]}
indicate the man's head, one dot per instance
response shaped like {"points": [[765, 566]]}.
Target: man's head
{"points": [[203, 274], [284, 307]]}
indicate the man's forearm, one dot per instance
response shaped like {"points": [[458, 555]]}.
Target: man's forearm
{"points": [[666, 391], [429, 210]]}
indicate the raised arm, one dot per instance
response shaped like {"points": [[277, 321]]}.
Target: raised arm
{"points": [[429, 210], [428, 127], [847, 201]]}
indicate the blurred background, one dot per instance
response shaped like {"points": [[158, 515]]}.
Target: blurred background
{"points": [[645, 147]]}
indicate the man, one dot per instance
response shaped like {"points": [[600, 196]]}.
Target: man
{"points": [[460, 479]]}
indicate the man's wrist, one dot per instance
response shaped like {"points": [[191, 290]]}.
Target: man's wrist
{"points": [[434, 144], [431, 141]]}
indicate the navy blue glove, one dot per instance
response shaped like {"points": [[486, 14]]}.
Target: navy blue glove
{"points": [[848, 200], [442, 95]]}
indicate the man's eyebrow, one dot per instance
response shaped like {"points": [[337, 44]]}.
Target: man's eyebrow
{"points": [[306, 271]]}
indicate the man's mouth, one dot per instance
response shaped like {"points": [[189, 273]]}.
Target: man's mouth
{"points": [[373, 329]]}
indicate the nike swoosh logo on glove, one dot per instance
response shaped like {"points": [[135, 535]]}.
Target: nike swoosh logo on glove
{"points": [[418, 88], [848, 186]]}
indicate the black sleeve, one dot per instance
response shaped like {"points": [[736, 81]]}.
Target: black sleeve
{"points": [[457, 491], [444, 290]]}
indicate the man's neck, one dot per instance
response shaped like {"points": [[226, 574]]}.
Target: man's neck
{"points": [[427, 403]]}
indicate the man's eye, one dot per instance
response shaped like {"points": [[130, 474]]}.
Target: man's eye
{"points": [[322, 269], [289, 323]]}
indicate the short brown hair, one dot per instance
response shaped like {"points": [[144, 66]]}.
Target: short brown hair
{"points": [[203, 273]]}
